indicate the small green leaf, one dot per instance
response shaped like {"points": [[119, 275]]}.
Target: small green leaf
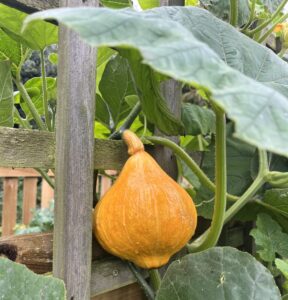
{"points": [[146, 4], [218, 274], [103, 114], [277, 200], [282, 265], [18, 282], [197, 119], [37, 36], [115, 3], [269, 238], [6, 94], [53, 58]]}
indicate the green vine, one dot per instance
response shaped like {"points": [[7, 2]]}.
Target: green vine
{"points": [[211, 238], [234, 12], [155, 279]]}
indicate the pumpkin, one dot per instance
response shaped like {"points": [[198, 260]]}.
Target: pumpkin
{"points": [[145, 217]]}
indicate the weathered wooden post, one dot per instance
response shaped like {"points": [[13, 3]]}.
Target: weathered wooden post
{"points": [[74, 160], [171, 90]]}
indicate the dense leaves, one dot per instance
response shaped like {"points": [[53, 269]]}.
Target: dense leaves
{"points": [[170, 49], [18, 282], [269, 238], [218, 273]]}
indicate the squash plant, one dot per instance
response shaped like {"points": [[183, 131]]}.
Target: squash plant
{"points": [[234, 104]]}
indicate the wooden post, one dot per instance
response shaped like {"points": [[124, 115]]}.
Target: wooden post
{"points": [[9, 211], [74, 160], [29, 198]]}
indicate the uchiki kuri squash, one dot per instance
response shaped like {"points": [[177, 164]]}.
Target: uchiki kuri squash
{"points": [[145, 217]]}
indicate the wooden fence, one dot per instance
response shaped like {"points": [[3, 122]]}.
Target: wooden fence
{"points": [[74, 154]]}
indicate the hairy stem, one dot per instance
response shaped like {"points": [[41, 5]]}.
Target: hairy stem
{"points": [[203, 178], [244, 199], [44, 89], [234, 12], [251, 17], [30, 104], [214, 232], [23, 122], [270, 20], [143, 283], [155, 279], [45, 175]]}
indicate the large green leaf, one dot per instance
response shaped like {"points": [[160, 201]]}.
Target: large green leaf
{"points": [[18, 282], [235, 48], [36, 37], [6, 94], [221, 9], [197, 119], [172, 50], [269, 238], [115, 84], [218, 274]]}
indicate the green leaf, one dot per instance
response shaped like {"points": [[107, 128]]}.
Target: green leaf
{"points": [[18, 282], [34, 89], [277, 200], [218, 273], [53, 58], [103, 114], [114, 86], [271, 5], [146, 4], [197, 119], [269, 238], [221, 9], [115, 3], [37, 36], [282, 265], [9, 49], [6, 94], [169, 48]]}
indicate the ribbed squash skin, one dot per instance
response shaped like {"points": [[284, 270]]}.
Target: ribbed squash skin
{"points": [[145, 217]]}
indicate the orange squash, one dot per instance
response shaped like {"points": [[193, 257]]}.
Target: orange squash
{"points": [[145, 217]]}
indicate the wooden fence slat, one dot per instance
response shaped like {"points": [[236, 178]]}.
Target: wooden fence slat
{"points": [[29, 199], [22, 148], [9, 210], [72, 251], [21, 172], [47, 194]]}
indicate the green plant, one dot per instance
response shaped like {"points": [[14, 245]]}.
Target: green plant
{"points": [[234, 104]]}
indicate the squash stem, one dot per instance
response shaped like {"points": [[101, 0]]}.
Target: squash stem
{"points": [[155, 279], [234, 12], [143, 283], [217, 223], [251, 17], [188, 161]]}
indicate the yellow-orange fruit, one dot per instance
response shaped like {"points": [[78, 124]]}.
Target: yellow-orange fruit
{"points": [[145, 217]]}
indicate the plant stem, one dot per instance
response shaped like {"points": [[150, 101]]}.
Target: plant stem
{"points": [[155, 279], [262, 38], [30, 104], [251, 17], [23, 122], [188, 161], [270, 20], [234, 12], [46, 177], [141, 280], [128, 122], [44, 89], [243, 200], [214, 232]]}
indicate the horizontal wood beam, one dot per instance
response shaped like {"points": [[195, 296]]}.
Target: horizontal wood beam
{"points": [[35, 250], [30, 6], [22, 148]]}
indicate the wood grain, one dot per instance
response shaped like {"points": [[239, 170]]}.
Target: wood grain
{"points": [[9, 209], [74, 160], [29, 198], [30, 6], [22, 148]]}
